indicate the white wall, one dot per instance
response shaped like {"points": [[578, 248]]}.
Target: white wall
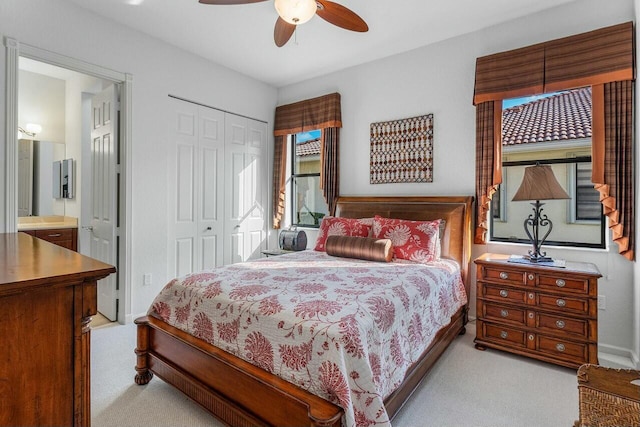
{"points": [[158, 69], [439, 79], [41, 100]]}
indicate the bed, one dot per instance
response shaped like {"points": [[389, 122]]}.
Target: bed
{"points": [[241, 393]]}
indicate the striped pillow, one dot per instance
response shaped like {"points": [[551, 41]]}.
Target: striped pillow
{"points": [[366, 248]]}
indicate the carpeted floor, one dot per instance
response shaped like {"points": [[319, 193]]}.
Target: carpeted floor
{"points": [[467, 387]]}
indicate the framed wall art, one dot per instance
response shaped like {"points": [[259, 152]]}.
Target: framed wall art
{"points": [[402, 150]]}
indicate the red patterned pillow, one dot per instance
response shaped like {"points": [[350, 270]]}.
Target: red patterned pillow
{"points": [[335, 226], [417, 241]]}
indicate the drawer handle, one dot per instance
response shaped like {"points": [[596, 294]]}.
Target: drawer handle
{"points": [[560, 283], [560, 347], [504, 293], [531, 276], [504, 313], [531, 315], [560, 324], [530, 337], [504, 275], [54, 235], [531, 296], [560, 302], [504, 335]]}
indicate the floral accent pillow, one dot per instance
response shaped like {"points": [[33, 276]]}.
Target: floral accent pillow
{"points": [[417, 241], [335, 226]]}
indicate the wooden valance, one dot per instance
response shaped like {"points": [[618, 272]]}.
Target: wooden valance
{"points": [[596, 57], [315, 113]]}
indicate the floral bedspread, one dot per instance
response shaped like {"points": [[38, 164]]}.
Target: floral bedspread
{"points": [[344, 329]]}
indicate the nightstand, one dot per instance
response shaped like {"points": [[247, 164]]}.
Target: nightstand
{"points": [[274, 252], [543, 312]]}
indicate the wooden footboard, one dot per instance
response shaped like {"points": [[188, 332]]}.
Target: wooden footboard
{"points": [[231, 389], [241, 394]]}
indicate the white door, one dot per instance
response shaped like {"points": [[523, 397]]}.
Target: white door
{"points": [[104, 155], [245, 188], [25, 177], [196, 183]]}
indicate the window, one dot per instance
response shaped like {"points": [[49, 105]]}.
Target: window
{"points": [[308, 204], [587, 199], [553, 129]]}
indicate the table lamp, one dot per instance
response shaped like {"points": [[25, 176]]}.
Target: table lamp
{"points": [[538, 183]]}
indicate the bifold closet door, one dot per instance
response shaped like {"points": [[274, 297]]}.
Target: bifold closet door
{"points": [[196, 188], [246, 188]]}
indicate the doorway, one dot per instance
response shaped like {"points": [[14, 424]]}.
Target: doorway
{"points": [[17, 53]]}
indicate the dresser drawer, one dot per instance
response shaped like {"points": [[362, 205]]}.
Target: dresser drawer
{"points": [[563, 304], [55, 235], [503, 293], [502, 313], [504, 335], [562, 349], [579, 328], [504, 275], [65, 237], [563, 284]]}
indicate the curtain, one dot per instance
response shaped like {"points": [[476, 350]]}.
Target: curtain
{"points": [[488, 162], [329, 173], [612, 151], [323, 112], [603, 59], [279, 172]]}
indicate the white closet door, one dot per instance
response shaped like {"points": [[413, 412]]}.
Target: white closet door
{"points": [[211, 194], [246, 186], [197, 143]]}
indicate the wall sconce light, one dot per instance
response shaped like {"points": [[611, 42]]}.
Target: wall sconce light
{"points": [[30, 130], [539, 183]]}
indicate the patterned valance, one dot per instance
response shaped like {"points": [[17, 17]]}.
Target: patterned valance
{"points": [[596, 57], [315, 113]]}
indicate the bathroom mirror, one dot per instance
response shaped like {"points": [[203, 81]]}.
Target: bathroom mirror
{"points": [[35, 171]]}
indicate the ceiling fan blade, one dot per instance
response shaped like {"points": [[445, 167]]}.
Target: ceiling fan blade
{"points": [[230, 1], [339, 15], [283, 32]]}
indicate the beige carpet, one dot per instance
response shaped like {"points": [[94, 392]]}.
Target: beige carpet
{"points": [[99, 320], [467, 387]]}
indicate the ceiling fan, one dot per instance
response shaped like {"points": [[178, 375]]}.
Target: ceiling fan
{"points": [[292, 13]]}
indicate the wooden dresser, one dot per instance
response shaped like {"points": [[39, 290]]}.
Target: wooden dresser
{"points": [[547, 313], [47, 297]]}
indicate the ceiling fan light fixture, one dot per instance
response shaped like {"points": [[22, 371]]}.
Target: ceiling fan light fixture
{"points": [[296, 12]]}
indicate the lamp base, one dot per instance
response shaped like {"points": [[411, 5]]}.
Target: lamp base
{"points": [[537, 259]]}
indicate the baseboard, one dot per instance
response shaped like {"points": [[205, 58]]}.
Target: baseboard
{"points": [[129, 318], [616, 357]]}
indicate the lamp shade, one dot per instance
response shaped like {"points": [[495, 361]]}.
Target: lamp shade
{"points": [[539, 183], [296, 12]]}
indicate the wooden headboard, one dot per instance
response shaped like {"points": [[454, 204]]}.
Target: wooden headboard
{"points": [[455, 210]]}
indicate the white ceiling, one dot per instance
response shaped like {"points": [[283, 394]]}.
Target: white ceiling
{"points": [[241, 36]]}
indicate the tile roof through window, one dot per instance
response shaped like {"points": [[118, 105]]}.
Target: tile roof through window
{"points": [[308, 148], [561, 117]]}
